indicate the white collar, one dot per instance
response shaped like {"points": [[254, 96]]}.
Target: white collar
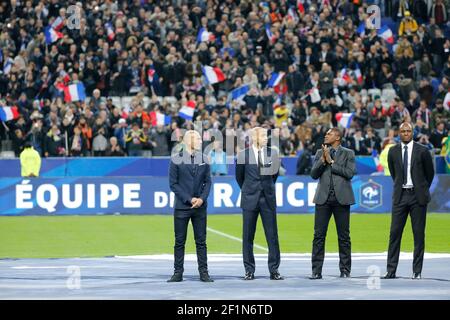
{"points": [[409, 144]]}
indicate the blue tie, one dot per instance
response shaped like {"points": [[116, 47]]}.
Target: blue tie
{"points": [[405, 165]]}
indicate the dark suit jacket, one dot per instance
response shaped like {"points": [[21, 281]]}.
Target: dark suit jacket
{"points": [[189, 180], [342, 172], [422, 172], [252, 183]]}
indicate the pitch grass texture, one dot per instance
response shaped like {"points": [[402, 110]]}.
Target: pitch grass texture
{"points": [[99, 236]]}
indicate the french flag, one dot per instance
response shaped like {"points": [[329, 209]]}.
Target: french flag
{"points": [[52, 35], [109, 31], [58, 24], [275, 79], [292, 14], [160, 119], [300, 6], [204, 36], [8, 65], [361, 29], [8, 113], [358, 75], [239, 93], [345, 76], [270, 35], [376, 158], [277, 103], [213, 74], [74, 92], [344, 119], [152, 76], [187, 111], [386, 34]]}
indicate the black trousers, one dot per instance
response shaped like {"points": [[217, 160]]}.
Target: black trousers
{"points": [[181, 221], [322, 217], [269, 220], [408, 205]]}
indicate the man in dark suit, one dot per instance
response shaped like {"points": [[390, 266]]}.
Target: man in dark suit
{"points": [[256, 172], [190, 180], [334, 165], [411, 168]]}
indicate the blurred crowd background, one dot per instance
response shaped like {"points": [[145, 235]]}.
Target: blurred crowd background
{"points": [[153, 64]]}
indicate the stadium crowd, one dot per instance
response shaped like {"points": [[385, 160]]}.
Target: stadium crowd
{"points": [[151, 49]]}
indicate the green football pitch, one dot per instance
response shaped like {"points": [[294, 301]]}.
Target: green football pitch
{"points": [[98, 236]]}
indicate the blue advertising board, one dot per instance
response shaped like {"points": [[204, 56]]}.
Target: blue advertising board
{"points": [[151, 195]]}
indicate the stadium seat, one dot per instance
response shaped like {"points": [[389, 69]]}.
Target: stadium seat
{"points": [[374, 92], [117, 101]]}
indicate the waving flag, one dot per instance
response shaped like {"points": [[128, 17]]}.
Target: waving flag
{"points": [[52, 35], [386, 34], [275, 79], [8, 65], [358, 74], [204, 36], [8, 113], [160, 119], [213, 74], [345, 76], [239, 93], [74, 92], [344, 119], [300, 6], [58, 24], [292, 14], [315, 95], [376, 158], [109, 31], [187, 111], [270, 35], [361, 29], [277, 102]]}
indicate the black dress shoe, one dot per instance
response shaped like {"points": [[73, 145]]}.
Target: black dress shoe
{"points": [[249, 276], [416, 276], [345, 274], [276, 276], [315, 276], [204, 277], [389, 275], [177, 277]]}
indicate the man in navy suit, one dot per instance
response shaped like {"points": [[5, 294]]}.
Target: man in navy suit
{"points": [[256, 172], [190, 180]]}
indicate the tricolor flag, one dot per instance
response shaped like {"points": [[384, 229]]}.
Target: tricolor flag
{"points": [[8, 113], [376, 158], [344, 119], [152, 76], [345, 76], [109, 31], [8, 65], [74, 92], [275, 79], [160, 119], [65, 75], [270, 35], [292, 14], [239, 93], [386, 33], [58, 24], [204, 36], [52, 35], [300, 6], [361, 29], [277, 102], [187, 111], [358, 74], [213, 74]]}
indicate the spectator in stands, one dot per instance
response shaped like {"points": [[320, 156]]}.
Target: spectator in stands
{"points": [[30, 161], [135, 139], [77, 143], [356, 142], [114, 149], [438, 135], [160, 137], [218, 160], [408, 26]]}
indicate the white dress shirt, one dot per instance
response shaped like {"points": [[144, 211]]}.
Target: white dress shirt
{"points": [[409, 183], [255, 151]]}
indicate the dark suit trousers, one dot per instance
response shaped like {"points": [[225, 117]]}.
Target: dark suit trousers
{"points": [[322, 217], [181, 221], [269, 220], [408, 204]]}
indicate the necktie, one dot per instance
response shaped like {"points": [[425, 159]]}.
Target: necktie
{"points": [[260, 162], [405, 164], [332, 153]]}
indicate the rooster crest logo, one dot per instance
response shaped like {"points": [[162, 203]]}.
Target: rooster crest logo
{"points": [[370, 194]]}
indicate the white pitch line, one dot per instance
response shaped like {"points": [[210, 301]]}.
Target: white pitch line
{"points": [[229, 236]]}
